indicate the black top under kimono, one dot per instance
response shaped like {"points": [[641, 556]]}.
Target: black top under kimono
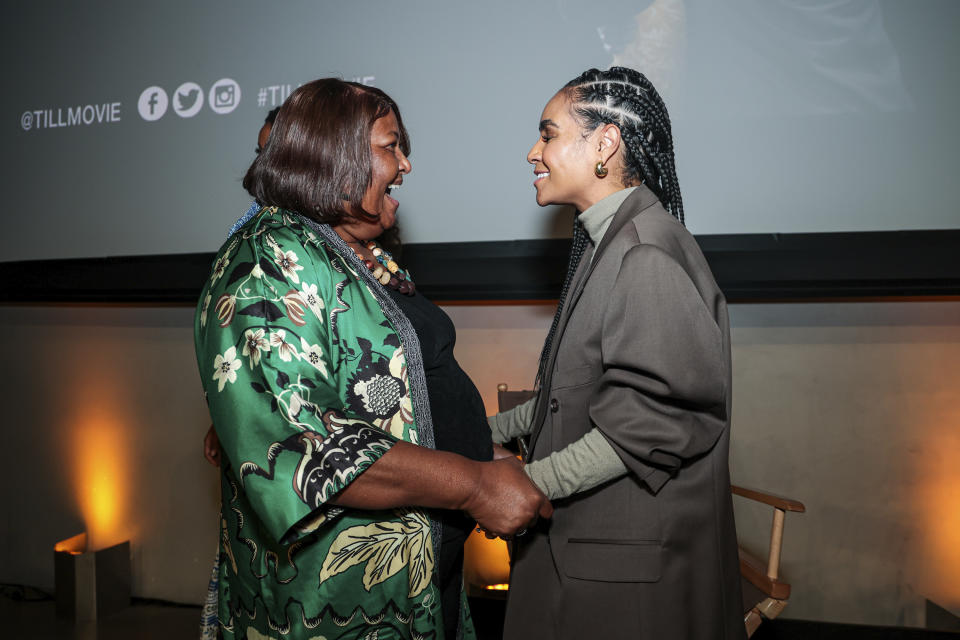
{"points": [[459, 425]]}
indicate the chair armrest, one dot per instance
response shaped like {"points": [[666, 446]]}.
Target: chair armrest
{"points": [[767, 498], [754, 571]]}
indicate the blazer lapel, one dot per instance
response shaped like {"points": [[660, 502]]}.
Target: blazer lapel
{"points": [[642, 198], [543, 399]]}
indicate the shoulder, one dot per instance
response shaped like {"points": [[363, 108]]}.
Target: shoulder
{"points": [[648, 262], [642, 220], [652, 230], [654, 226], [284, 240], [276, 228], [276, 251], [653, 241]]}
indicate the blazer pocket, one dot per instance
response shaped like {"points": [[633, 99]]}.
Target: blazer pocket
{"points": [[613, 560], [575, 376]]}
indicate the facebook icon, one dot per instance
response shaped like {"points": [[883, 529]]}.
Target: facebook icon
{"points": [[152, 103]]}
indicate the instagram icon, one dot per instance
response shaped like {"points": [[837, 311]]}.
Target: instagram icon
{"points": [[224, 96]]}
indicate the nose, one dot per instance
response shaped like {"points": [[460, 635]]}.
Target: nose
{"points": [[534, 155], [405, 166]]}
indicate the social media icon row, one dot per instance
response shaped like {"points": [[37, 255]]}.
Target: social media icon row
{"points": [[223, 97]]}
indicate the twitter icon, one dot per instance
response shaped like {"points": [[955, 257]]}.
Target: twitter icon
{"points": [[187, 99]]}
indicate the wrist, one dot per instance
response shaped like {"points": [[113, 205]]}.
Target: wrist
{"points": [[471, 486]]}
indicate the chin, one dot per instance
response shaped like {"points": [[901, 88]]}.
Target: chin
{"points": [[543, 201], [388, 220]]}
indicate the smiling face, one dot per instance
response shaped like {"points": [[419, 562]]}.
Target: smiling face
{"points": [[388, 165], [565, 156], [560, 158]]}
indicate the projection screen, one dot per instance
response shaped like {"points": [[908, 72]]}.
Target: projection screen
{"points": [[128, 126]]}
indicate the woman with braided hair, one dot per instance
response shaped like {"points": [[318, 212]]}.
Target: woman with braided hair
{"points": [[629, 431]]}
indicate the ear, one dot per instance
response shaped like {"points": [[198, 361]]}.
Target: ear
{"points": [[608, 141]]}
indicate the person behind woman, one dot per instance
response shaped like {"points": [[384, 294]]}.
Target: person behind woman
{"points": [[330, 381], [211, 445], [629, 432]]}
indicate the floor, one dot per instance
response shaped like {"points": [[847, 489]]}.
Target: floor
{"points": [[806, 630], [35, 619]]}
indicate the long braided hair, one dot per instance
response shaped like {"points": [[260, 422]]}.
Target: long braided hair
{"points": [[626, 98]]}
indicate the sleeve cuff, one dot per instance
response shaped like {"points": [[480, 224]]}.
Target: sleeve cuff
{"points": [[584, 464], [324, 466], [653, 477]]}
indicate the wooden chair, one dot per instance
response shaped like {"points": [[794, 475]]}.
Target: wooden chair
{"points": [[765, 594]]}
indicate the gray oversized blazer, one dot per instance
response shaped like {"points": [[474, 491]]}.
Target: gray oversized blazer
{"points": [[642, 352]]}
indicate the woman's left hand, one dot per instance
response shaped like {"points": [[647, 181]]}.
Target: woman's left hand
{"points": [[211, 447]]}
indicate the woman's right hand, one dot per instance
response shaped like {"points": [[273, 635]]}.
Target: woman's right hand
{"points": [[505, 500]]}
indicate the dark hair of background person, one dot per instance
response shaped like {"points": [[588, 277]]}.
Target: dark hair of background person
{"points": [[271, 116], [263, 136], [626, 98], [319, 150]]}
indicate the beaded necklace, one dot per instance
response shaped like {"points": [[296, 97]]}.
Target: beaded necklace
{"points": [[386, 270]]}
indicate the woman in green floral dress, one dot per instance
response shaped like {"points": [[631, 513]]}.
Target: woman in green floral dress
{"points": [[333, 490]]}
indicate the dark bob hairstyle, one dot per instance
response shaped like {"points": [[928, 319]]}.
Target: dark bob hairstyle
{"points": [[318, 156]]}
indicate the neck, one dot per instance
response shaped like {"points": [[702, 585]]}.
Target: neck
{"points": [[350, 234], [598, 193], [345, 235], [359, 245]]}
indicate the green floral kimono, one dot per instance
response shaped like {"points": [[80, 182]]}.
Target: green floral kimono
{"points": [[311, 374]]}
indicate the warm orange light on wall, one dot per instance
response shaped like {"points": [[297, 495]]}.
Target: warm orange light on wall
{"points": [[943, 524], [74, 546], [101, 476], [936, 497], [939, 498], [486, 563]]}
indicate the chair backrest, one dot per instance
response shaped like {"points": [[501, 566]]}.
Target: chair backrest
{"points": [[507, 400]]}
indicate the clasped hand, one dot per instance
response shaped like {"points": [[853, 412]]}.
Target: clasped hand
{"points": [[506, 501]]}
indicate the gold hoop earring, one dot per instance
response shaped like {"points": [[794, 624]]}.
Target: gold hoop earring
{"points": [[601, 170]]}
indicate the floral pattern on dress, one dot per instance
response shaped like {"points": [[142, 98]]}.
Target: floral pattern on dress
{"points": [[384, 548]]}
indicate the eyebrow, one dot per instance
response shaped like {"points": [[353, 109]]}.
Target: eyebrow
{"points": [[548, 123]]}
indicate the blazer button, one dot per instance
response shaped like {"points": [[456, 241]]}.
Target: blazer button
{"points": [[554, 405]]}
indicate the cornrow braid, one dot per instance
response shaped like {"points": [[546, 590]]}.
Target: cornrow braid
{"points": [[626, 98], [577, 247]]}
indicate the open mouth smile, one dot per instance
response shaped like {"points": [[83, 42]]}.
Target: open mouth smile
{"points": [[390, 189]]}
